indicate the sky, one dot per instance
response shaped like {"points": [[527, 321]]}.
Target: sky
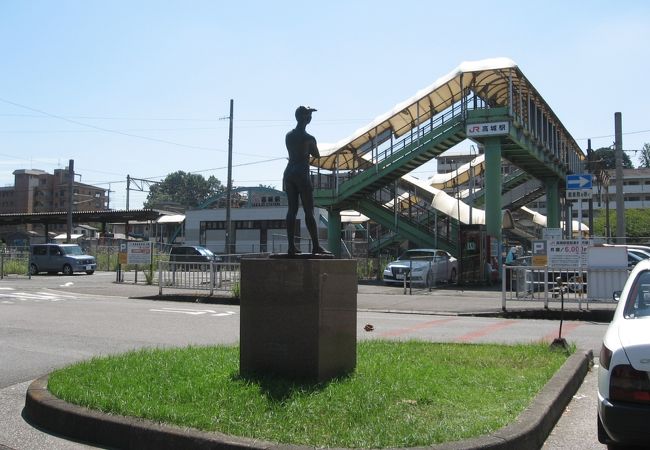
{"points": [[142, 88]]}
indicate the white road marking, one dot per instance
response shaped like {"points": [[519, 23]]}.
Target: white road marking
{"points": [[33, 296], [194, 312]]}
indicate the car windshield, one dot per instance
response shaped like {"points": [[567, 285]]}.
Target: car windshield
{"points": [[417, 254], [638, 302], [72, 250], [640, 253], [206, 252]]}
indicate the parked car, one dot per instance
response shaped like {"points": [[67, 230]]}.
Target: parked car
{"points": [[191, 254], [643, 254], [54, 258], [635, 253], [624, 372], [428, 266]]}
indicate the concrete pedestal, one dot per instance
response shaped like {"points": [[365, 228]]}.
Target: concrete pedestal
{"points": [[298, 318]]}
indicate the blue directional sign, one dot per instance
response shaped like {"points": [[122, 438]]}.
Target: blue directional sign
{"points": [[579, 181]]}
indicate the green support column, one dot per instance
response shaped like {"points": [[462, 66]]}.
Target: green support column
{"points": [[334, 231], [493, 187], [552, 203]]}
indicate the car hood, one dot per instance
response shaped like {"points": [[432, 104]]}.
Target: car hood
{"points": [[408, 263], [635, 339]]}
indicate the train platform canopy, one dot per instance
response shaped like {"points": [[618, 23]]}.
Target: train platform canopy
{"points": [[61, 217]]}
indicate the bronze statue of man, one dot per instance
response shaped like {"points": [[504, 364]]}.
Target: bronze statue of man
{"points": [[296, 182]]}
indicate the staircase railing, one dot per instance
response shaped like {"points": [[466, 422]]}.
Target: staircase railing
{"points": [[437, 227], [390, 154]]}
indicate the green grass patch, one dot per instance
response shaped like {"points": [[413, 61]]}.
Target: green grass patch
{"points": [[403, 394]]}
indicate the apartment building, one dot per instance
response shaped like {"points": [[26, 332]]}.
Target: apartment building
{"points": [[36, 191]]}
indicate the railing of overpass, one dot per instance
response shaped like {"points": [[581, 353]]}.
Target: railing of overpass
{"points": [[384, 148]]}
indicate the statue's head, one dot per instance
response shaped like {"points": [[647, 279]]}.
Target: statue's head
{"points": [[303, 113]]}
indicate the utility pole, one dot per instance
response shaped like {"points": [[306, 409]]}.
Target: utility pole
{"points": [[229, 183], [591, 170], [70, 199], [620, 199], [128, 188]]}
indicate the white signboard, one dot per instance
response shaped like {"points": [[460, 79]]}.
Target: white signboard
{"points": [[607, 257], [574, 194], [488, 129], [139, 253], [569, 253]]}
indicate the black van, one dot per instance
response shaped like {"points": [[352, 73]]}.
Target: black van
{"points": [[192, 254]]}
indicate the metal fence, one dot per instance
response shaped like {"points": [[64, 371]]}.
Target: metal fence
{"points": [[14, 262], [545, 285], [211, 277]]}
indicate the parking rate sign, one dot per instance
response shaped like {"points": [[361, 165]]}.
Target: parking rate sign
{"points": [[563, 254], [139, 253]]}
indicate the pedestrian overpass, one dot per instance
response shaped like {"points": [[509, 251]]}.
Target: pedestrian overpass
{"points": [[490, 102]]}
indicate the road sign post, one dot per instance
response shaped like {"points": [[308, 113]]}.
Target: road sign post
{"points": [[579, 187]]}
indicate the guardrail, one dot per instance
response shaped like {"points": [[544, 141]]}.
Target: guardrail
{"points": [[543, 284], [214, 276]]}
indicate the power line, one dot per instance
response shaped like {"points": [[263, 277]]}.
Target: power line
{"points": [[153, 178], [611, 135], [108, 130], [94, 131], [184, 119]]}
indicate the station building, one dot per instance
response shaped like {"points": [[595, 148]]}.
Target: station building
{"points": [[258, 223]]}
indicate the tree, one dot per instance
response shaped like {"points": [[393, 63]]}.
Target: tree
{"points": [[186, 189], [645, 156], [607, 158], [637, 224]]}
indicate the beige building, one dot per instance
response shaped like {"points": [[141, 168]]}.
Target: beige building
{"points": [[36, 191]]}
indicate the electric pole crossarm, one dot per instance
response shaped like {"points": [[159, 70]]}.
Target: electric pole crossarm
{"points": [[141, 185]]}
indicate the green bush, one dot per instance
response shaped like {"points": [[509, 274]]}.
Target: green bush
{"points": [[371, 268], [15, 266], [148, 276], [236, 289]]}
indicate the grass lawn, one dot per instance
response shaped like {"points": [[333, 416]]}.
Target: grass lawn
{"points": [[403, 394]]}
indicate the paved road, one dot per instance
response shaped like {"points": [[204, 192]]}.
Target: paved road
{"points": [[52, 321]]}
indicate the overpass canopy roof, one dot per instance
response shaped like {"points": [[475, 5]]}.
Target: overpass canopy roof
{"points": [[489, 79]]}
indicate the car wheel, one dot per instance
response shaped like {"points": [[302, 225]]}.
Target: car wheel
{"points": [[33, 270], [90, 272], [67, 269], [453, 276]]}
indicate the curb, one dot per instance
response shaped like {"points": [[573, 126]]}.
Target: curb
{"points": [[529, 431]]}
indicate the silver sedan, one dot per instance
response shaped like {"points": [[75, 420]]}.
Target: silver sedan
{"points": [[423, 266]]}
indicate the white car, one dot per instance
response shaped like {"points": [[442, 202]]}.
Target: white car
{"points": [[422, 265], [624, 372]]}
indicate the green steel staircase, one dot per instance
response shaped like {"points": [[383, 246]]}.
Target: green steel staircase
{"points": [[415, 223], [399, 159]]}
